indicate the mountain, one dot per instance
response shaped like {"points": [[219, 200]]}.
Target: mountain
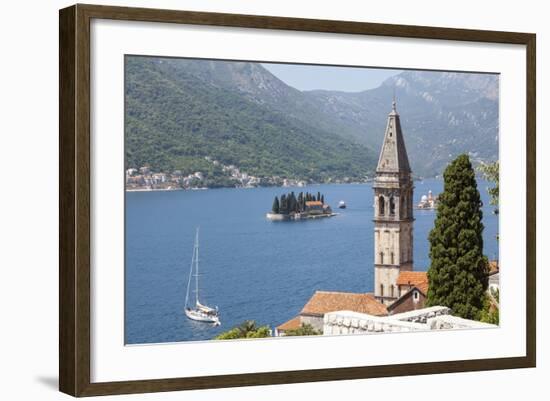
{"points": [[442, 114], [178, 112]]}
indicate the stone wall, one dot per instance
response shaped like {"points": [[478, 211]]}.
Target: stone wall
{"points": [[448, 322], [348, 322], [433, 318]]}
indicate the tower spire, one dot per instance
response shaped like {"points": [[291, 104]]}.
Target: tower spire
{"points": [[393, 155]]}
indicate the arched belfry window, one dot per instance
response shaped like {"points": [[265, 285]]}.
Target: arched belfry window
{"points": [[381, 205], [381, 290], [392, 206], [381, 258], [392, 258]]}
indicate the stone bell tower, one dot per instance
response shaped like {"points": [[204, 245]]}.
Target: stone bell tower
{"points": [[393, 212]]}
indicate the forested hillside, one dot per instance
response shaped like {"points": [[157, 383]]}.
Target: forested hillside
{"points": [[174, 119]]}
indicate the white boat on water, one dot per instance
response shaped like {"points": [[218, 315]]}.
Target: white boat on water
{"points": [[198, 311], [342, 204]]}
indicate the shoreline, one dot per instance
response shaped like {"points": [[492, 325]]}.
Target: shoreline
{"points": [[262, 186], [258, 187]]}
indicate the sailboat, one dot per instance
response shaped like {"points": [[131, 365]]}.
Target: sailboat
{"points": [[198, 311]]}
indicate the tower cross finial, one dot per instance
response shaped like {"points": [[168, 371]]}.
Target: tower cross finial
{"points": [[393, 102]]}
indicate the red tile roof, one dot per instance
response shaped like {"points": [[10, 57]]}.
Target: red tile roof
{"points": [[328, 301], [292, 324], [412, 278], [423, 287], [314, 203]]}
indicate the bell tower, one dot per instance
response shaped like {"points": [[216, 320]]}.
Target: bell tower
{"points": [[393, 212]]}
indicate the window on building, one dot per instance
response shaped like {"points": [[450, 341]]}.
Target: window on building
{"points": [[381, 290], [392, 206], [392, 258], [391, 291], [416, 296], [381, 205], [381, 258]]}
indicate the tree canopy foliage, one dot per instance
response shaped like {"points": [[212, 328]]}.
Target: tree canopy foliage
{"points": [[247, 329], [304, 330], [491, 173], [290, 203], [458, 271]]}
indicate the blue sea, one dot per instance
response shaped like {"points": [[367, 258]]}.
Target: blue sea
{"points": [[252, 268]]}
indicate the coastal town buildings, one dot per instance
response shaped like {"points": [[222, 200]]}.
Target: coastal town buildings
{"points": [[146, 179]]}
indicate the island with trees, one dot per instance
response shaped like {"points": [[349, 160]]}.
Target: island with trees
{"points": [[303, 206]]}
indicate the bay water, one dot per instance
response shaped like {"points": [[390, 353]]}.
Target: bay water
{"points": [[252, 268]]}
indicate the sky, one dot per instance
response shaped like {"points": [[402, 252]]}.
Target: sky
{"points": [[347, 79]]}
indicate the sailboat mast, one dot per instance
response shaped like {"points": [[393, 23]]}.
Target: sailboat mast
{"points": [[197, 268], [190, 275]]}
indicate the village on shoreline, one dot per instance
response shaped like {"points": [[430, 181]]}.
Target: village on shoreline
{"points": [[146, 179]]}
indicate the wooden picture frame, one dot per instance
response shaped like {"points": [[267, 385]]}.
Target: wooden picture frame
{"points": [[74, 199]]}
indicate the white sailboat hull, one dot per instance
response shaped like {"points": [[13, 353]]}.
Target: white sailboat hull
{"points": [[199, 316]]}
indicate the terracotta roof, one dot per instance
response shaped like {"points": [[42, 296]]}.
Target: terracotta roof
{"points": [[292, 324], [423, 287], [327, 301], [314, 203], [412, 278], [493, 267]]}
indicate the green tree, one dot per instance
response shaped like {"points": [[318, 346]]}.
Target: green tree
{"points": [[490, 312], [491, 173], [247, 329], [458, 271], [291, 202], [275, 207], [284, 205], [304, 330]]}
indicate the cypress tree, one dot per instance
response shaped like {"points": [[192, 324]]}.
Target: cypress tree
{"points": [[275, 207], [458, 271], [291, 202], [284, 206]]}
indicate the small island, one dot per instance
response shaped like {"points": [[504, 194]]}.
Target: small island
{"points": [[303, 206]]}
